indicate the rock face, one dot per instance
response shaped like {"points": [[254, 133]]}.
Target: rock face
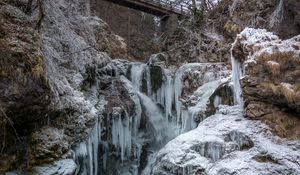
{"points": [[228, 143], [281, 16], [50, 87], [24, 87], [271, 79], [189, 46]]}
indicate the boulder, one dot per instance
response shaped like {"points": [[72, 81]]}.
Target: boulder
{"points": [[271, 77]]}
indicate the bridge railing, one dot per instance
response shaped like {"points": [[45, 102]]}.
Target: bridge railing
{"points": [[168, 5]]}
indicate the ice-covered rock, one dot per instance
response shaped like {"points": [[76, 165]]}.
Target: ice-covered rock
{"points": [[228, 143], [269, 71], [70, 72], [60, 167]]}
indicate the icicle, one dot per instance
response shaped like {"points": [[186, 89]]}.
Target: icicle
{"points": [[86, 154], [136, 76], [217, 101], [177, 93], [106, 154], [121, 132], [188, 120], [236, 76], [213, 150], [169, 95], [148, 79]]}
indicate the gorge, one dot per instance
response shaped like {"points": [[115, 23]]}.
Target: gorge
{"points": [[75, 98]]}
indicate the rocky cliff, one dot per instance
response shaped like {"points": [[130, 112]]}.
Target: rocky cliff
{"points": [[270, 79], [49, 62], [24, 87]]}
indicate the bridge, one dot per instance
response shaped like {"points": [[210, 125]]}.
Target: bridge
{"points": [[159, 8]]}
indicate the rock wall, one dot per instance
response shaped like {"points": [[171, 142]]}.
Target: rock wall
{"points": [[24, 87], [278, 16], [271, 79], [50, 75]]}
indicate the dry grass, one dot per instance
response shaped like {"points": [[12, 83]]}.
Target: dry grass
{"points": [[273, 67], [290, 92], [283, 124], [285, 59], [271, 87], [287, 90]]}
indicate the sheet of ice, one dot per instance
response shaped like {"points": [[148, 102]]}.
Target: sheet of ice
{"points": [[155, 117], [237, 74]]}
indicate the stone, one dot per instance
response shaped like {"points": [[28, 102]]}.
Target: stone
{"points": [[257, 109], [271, 79]]}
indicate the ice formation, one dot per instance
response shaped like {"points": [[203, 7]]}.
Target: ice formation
{"points": [[121, 132], [86, 154], [236, 76], [169, 94], [233, 138], [202, 97], [137, 70]]}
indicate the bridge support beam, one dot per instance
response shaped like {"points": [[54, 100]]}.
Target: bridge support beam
{"points": [[169, 24]]}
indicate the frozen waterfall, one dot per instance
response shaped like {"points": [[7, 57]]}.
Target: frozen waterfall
{"points": [[169, 94], [155, 118], [160, 114], [236, 76]]}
